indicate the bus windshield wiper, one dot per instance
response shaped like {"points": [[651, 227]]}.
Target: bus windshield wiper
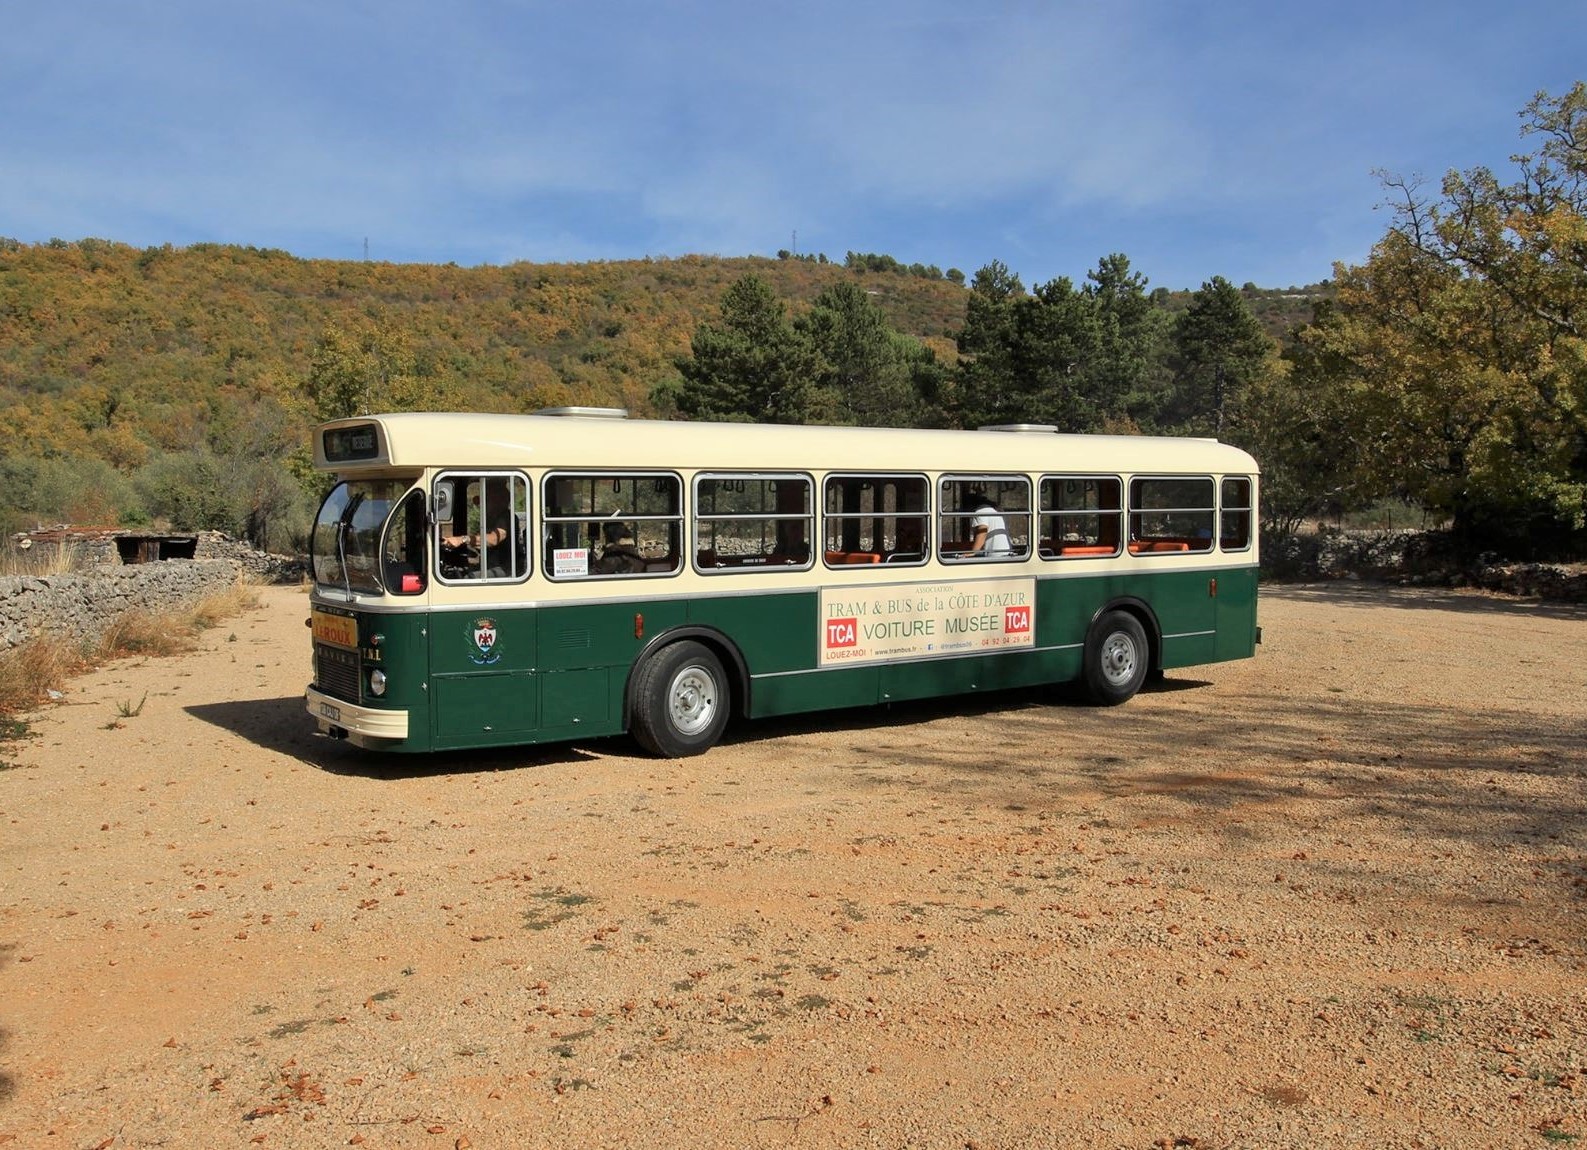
{"points": [[343, 526]]}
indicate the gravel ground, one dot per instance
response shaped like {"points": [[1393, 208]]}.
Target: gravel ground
{"points": [[1330, 896]]}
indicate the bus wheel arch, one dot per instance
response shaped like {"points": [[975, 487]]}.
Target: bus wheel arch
{"points": [[682, 693], [1122, 650]]}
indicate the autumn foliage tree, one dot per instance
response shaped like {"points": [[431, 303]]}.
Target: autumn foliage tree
{"points": [[1458, 348], [368, 368]]}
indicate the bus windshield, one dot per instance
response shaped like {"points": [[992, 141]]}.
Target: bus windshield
{"points": [[345, 547]]}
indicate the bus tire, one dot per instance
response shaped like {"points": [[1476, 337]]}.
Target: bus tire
{"points": [[1117, 658], [680, 701]]}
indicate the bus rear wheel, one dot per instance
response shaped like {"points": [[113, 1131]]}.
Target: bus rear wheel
{"points": [[680, 701], [1117, 658]]}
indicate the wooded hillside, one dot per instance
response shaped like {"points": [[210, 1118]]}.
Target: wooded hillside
{"points": [[165, 330], [170, 383]]}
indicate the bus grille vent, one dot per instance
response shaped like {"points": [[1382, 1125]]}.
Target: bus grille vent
{"points": [[573, 640], [336, 672]]}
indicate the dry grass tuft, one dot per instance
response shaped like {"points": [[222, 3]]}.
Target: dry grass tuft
{"points": [[212, 610], [171, 633], [44, 559], [146, 633], [29, 672]]}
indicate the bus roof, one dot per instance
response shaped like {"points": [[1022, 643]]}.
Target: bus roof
{"points": [[457, 439]]}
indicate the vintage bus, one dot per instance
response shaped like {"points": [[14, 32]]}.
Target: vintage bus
{"points": [[487, 580]]}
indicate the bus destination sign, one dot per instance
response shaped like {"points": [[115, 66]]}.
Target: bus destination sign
{"points": [[344, 444], [908, 621]]}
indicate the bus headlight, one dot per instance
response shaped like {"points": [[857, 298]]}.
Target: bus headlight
{"points": [[377, 682]]}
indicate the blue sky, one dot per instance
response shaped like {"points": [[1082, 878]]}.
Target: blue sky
{"points": [[1230, 138]]}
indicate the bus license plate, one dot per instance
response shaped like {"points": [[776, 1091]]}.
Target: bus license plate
{"points": [[331, 711], [338, 630]]}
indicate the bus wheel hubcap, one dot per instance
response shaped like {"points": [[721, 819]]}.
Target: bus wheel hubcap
{"points": [[1118, 658], [693, 699]]}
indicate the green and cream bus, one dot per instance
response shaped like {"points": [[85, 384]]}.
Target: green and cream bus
{"points": [[486, 580]]}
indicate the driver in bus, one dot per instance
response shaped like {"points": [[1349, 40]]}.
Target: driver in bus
{"points": [[495, 526]]}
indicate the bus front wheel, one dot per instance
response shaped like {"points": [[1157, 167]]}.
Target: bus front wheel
{"points": [[680, 701], [1117, 658]]}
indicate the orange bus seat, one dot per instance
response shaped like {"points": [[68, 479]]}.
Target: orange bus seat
{"points": [[1150, 545]]}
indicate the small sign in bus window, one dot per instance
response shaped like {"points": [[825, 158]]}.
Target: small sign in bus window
{"points": [[570, 562]]}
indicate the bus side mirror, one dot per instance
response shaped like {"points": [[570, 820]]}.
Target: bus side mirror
{"points": [[443, 502]]}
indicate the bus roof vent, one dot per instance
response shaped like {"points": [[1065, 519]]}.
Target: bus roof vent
{"points": [[586, 412], [1049, 428]]}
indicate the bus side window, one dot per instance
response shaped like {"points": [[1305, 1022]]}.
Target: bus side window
{"points": [[1171, 513], [486, 536], [747, 521], [873, 519], [1234, 515], [1080, 516], [984, 517], [608, 524]]}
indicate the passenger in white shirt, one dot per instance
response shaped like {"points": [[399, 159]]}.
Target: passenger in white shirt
{"points": [[988, 529]]}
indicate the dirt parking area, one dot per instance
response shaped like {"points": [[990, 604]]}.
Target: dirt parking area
{"points": [[1331, 896]]}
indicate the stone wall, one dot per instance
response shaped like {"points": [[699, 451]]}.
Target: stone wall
{"points": [[1428, 558], [1359, 555], [89, 547], [1533, 580], [82, 607]]}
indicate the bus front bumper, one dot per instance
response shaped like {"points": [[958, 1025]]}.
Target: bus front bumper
{"points": [[362, 726]]}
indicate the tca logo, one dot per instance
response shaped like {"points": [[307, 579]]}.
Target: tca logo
{"points": [[1016, 620], [841, 633]]}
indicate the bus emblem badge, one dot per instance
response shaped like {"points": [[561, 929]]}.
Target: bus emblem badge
{"points": [[483, 635]]}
